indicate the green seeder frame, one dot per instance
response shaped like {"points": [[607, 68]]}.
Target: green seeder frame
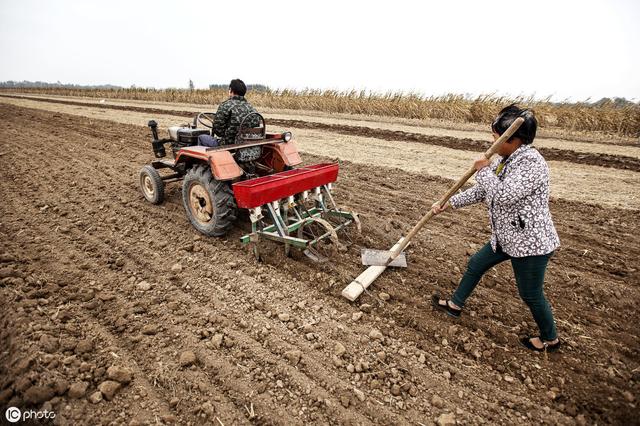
{"points": [[291, 216]]}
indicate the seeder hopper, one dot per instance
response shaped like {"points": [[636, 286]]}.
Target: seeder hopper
{"points": [[286, 203]]}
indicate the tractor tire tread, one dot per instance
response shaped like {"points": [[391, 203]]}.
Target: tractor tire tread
{"points": [[221, 196], [157, 182]]}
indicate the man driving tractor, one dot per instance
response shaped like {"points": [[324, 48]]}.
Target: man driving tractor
{"points": [[229, 117]]}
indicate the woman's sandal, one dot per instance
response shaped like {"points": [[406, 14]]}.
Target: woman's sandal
{"points": [[447, 309], [526, 342]]}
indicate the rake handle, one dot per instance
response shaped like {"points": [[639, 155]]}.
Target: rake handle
{"points": [[451, 192]]}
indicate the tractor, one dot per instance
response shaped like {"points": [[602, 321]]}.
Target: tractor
{"points": [[262, 173]]}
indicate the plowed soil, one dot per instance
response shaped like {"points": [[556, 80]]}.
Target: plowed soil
{"points": [[625, 158], [97, 286], [571, 180]]}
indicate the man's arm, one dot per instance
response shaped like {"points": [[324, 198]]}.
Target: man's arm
{"points": [[223, 116]]}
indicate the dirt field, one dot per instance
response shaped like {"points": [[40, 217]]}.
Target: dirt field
{"points": [[443, 156], [427, 126], [104, 291]]}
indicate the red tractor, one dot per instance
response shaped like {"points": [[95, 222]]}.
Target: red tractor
{"points": [[289, 204]]}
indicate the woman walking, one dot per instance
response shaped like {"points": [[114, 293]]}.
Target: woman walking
{"points": [[515, 189]]}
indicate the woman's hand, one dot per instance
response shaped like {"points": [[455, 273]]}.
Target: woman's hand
{"points": [[436, 209], [481, 163]]}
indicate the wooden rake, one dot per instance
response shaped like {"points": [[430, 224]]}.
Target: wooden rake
{"points": [[378, 260]]}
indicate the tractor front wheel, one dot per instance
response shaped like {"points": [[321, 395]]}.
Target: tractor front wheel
{"points": [[210, 205], [151, 185]]}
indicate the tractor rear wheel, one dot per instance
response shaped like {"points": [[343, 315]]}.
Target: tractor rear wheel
{"points": [[210, 205], [151, 185]]}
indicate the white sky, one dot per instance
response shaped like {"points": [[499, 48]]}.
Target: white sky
{"points": [[567, 49]]}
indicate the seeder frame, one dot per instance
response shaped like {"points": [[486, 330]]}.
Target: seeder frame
{"points": [[291, 215]]}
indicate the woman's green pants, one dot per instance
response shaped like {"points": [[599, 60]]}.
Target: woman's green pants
{"points": [[529, 272]]}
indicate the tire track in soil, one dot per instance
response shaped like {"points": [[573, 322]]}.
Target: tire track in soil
{"points": [[141, 266], [208, 361], [96, 242], [608, 335], [465, 144], [146, 267], [586, 386], [83, 238]]}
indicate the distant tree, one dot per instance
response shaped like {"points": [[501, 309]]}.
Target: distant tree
{"points": [[250, 87], [621, 102], [43, 84], [615, 102], [191, 85]]}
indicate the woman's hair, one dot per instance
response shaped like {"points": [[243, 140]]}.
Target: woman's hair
{"points": [[526, 132]]}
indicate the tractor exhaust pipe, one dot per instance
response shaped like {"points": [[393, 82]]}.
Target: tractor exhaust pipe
{"points": [[156, 143], [154, 129]]}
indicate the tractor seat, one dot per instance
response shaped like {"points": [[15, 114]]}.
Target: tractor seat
{"points": [[251, 153], [251, 134]]}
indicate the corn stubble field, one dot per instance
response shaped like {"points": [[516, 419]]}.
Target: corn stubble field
{"points": [[607, 117], [120, 313]]}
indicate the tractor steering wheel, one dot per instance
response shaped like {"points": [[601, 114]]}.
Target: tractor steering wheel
{"points": [[206, 119]]}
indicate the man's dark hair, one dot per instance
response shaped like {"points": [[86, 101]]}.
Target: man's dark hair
{"points": [[238, 87], [527, 131]]}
